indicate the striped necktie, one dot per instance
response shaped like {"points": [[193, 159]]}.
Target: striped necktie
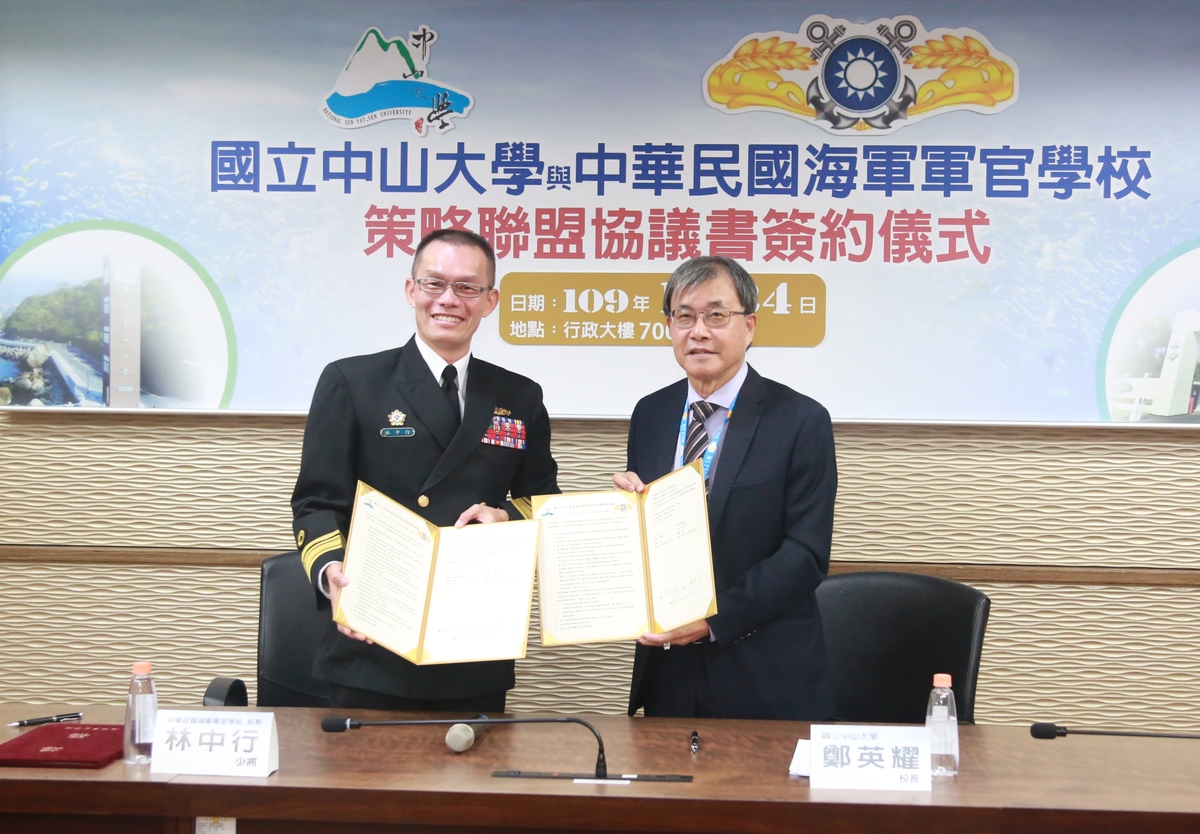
{"points": [[697, 436]]}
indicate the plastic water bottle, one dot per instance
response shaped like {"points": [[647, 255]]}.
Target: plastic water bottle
{"points": [[942, 720], [141, 709]]}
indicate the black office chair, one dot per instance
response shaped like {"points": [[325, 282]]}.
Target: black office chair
{"points": [[887, 634], [290, 629]]}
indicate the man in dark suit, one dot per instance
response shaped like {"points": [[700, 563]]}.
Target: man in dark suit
{"points": [[769, 462], [441, 432]]}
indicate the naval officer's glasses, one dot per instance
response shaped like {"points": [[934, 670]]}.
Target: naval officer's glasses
{"points": [[437, 286]]}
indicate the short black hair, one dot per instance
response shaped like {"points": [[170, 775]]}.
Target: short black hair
{"points": [[459, 237]]}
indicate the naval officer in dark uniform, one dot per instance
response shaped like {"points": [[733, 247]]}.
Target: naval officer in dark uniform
{"points": [[480, 433]]}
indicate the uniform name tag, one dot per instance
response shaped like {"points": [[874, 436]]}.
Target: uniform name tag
{"points": [[407, 431]]}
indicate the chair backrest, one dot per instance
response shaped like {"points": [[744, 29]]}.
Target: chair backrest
{"points": [[290, 629], [887, 634]]}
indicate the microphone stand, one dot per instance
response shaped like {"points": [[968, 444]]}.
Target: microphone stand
{"points": [[1052, 731], [601, 763], [335, 724]]}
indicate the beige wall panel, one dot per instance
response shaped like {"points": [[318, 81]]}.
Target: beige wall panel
{"points": [[1082, 656], [591, 678], [113, 480], [78, 628], [1081, 497], [957, 495], [588, 452], [1100, 656], [155, 480], [71, 632]]}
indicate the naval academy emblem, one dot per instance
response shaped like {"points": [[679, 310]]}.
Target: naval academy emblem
{"points": [[849, 77]]}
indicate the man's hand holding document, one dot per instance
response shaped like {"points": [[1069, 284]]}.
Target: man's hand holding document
{"points": [[615, 565], [437, 595]]}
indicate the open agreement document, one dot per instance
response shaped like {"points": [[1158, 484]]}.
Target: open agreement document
{"points": [[615, 565], [437, 594]]}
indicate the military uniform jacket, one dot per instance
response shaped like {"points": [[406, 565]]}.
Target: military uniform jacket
{"points": [[502, 446]]}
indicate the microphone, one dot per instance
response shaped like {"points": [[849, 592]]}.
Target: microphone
{"points": [[1048, 730], [1043, 729], [461, 737], [340, 723]]}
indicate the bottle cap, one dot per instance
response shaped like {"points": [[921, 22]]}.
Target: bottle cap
{"points": [[941, 680], [142, 667]]}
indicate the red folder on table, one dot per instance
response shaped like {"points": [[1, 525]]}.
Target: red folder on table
{"points": [[64, 745]]}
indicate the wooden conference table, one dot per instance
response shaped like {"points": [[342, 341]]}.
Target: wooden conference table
{"points": [[379, 779]]}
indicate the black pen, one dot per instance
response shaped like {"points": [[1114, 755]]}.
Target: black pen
{"points": [[695, 742], [49, 719]]}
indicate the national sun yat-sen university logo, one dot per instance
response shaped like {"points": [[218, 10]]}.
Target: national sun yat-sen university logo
{"points": [[389, 79], [877, 76]]}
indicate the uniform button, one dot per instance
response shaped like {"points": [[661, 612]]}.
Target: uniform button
{"points": [[423, 501]]}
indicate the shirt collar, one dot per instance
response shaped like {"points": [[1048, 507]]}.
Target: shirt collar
{"points": [[726, 394], [437, 364]]}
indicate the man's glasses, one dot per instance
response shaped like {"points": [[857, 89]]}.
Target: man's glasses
{"points": [[437, 286], [685, 319]]}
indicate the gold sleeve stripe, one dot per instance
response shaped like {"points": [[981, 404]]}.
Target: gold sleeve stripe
{"points": [[317, 548]]}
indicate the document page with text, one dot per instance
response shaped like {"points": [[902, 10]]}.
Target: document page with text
{"points": [[591, 575], [389, 559], [433, 595], [678, 550], [482, 591], [615, 565]]}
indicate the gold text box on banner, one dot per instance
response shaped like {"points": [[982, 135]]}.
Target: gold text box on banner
{"points": [[605, 308]]}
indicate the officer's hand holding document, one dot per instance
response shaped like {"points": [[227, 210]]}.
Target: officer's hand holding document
{"points": [[437, 595], [615, 565]]}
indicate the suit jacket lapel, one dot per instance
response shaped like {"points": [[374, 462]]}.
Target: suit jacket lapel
{"points": [[480, 406], [743, 423], [424, 395]]}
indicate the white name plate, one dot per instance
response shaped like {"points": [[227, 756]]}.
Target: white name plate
{"points": [[869, 757], [215, 743]]}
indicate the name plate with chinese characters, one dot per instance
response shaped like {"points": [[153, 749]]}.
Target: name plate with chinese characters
{"points": [[215, 743], [869, 757]]}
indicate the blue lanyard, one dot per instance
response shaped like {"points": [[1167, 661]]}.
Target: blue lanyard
{"points": [[711, 450]]}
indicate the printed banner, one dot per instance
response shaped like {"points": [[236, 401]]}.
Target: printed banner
{"points": [[961, 212]]}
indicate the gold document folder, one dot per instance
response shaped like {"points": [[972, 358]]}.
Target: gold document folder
{"points": [[615, 565], [437, 595]]}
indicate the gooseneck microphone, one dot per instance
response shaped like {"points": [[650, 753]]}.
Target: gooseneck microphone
{"points": [[1048, 730], [339, 724]]}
